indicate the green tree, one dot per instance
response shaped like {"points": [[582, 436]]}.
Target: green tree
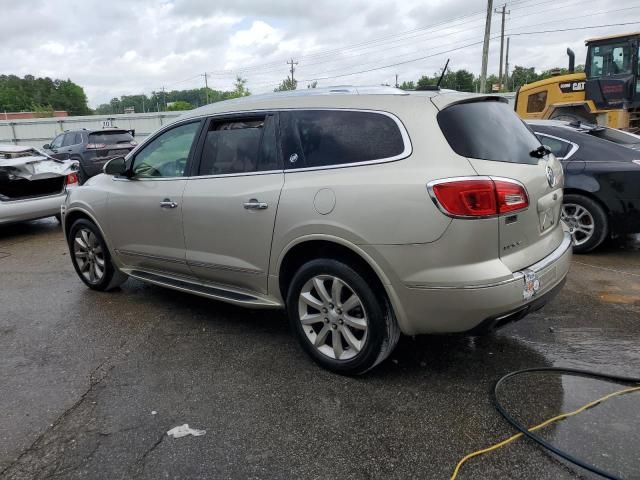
{"points": [[313, 84], [410, 85], [27, 93], [286, 84], [240, 87], [179, 105]]}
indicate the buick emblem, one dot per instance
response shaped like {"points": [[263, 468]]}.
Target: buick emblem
{"points": [[551, 177]]}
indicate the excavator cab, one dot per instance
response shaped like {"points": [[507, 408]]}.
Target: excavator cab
{"points": [[612, 72]]}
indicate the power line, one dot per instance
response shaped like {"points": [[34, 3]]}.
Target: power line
{"points": [[467, 46], [263, 68]]}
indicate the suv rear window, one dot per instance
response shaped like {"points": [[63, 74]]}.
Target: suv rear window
{"points": [[111, 138], [488, 130], [319, 138]]}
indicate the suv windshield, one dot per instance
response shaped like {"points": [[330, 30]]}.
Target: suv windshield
{"points": [[111, 137], [612, 59], [488, 130]]}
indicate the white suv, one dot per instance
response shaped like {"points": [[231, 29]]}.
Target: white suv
{"points": [[364, 212]]}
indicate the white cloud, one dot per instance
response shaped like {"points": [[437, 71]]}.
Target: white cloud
{"points": [[123, 47]]}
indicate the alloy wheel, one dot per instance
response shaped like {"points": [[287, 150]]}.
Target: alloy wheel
{"points": [[333, 317], [89, 255], [580, 222]]}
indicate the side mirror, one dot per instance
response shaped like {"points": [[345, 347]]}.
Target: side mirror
{"points": [[115, 166], [46, 146]]}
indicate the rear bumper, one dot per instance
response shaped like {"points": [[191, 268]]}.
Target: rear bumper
{"points": [[480, 307], [31, 209]]}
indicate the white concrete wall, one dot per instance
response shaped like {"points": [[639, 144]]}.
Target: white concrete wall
{"points": [[38, 131]]}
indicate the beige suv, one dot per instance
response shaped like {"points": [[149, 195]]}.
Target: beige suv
{"points": [[365, 212]]}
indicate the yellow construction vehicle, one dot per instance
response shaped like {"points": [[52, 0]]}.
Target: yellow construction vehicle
{"points": [[607, 93]]}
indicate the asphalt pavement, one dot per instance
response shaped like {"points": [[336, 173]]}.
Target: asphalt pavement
{"points": [[91, 382]]}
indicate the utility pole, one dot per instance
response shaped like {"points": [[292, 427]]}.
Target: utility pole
{"points": [[206, 87], [164, 99], [293, 69], [503, 12], [396, 80], [485, 47], [506, 67]]}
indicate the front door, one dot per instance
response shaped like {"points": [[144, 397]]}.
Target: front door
{"points": [[230, 205], [145, 210]]}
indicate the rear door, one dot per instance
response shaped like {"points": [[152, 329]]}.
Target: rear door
{"points": [[498, 144], [230, 204]]}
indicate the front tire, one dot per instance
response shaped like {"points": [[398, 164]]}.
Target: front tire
{"points": [[340, 321], [587, 222], [91, 259]]}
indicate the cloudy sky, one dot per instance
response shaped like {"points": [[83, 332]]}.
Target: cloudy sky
{"points": [[121, 47]]}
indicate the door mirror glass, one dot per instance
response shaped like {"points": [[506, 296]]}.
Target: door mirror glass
{"points": [[46, 146], [115, 166]]}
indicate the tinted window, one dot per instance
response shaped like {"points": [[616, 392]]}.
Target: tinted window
{"points": [[166, 155], [111, 137], [488, 130], [322, 138], [239, 146], [536, 102], [68, 139], [559, 148]]}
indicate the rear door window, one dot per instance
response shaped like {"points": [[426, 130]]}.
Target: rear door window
{"points": [[488, 130], [322, 138], [239, 146]]}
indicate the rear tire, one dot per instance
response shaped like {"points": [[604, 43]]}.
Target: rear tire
{"points": [[587, 220], [341, 322], [91, 259]]}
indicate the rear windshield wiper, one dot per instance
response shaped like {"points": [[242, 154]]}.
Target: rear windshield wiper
{"points": [[540, 152]]}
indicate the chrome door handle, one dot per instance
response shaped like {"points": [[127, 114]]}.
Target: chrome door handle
{"points": [[167, 203], [254, 204]]}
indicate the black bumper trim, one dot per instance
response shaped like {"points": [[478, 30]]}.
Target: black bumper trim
{"points": [[495, 322]]}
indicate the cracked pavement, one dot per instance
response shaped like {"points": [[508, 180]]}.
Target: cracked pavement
{"points": [[81, 372]]}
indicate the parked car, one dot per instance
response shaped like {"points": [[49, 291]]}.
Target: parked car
{"points": [[602, 180], [91, 148], [32, 184], [364, 212]]}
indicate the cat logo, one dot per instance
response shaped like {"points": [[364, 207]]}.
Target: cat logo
{"points": [[568, 87]]}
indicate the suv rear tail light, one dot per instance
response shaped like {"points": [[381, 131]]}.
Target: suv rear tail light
{"points": [[470, 197], [72, 179], [93, 146]]}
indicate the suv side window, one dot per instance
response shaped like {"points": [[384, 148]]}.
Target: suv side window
{"points": [[239, 146], [167, 154], [321, 138], [57, 142], [559, 148]]}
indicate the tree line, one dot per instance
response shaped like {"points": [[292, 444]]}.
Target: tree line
{"points": [[42, 95], [465, 81]]}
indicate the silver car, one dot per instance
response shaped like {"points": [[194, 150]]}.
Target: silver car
{"points": [[365, 213], [32, 184]]}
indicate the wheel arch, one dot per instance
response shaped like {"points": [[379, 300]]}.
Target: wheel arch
{"points": [[308, 248], [77, 213], [589, 195], [581, 109]]}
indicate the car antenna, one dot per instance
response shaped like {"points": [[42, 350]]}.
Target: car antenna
{"points": [[437, 85], [444, 70]]}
